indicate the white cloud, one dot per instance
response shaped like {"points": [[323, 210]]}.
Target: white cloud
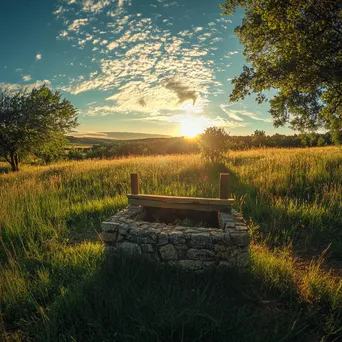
{"points": [[236, 114], [230, 113], [77, 24], [95, 6], [253, 116], [21, 87], [63, 34], [229, 54], [26, 78], [224, 20], [38, 56]]}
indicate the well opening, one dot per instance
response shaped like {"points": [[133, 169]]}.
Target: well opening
{"points": [[180, 217]]}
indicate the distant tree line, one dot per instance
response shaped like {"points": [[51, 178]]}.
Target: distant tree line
{"points": [[150, 146], [180, 145]]}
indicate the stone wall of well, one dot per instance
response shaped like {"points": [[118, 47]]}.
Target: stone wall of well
{"points": [[188, 247]]}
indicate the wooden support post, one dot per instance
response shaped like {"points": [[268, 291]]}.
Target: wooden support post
{"points": [[224, 185], [134, 184]]}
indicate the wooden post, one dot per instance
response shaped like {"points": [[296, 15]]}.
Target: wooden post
{"points": [[134, 184], [224, 185]]}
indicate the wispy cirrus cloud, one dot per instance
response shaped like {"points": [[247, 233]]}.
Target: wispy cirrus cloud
{"points": [[236, 114]]}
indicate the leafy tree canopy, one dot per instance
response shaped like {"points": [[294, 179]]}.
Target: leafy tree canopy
{"points": [[30, 121], [295, 48], [213, 143]]}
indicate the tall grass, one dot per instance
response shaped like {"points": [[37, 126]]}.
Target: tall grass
{"points": [[55, 284]]}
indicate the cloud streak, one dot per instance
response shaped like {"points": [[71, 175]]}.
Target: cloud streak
{"points": [[236, 114]]}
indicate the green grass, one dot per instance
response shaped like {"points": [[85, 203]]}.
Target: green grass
{"points": [[55, 284]]}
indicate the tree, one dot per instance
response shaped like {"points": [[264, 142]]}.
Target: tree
{"points": [[29, 121], [213, 143], [321, 142], [295, 48], [53, 150], [259, 138]]}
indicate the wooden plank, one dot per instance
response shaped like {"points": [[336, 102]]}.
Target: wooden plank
{"points": [[134, 184], [224, 185], [184, 200], [186, 206]]}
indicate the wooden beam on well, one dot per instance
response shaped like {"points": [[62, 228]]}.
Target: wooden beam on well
{"points": [[224, 185], [134, 184], [187, 203]]}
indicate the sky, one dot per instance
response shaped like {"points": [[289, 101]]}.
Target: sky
{"points": [[148, 66]]}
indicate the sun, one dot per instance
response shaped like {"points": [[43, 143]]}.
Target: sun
{"points": [[190, 127]]}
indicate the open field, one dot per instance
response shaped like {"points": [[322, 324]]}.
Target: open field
{"points": [[55, 285]]}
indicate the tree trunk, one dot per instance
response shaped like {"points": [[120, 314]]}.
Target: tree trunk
{"points": [[14, 162]]}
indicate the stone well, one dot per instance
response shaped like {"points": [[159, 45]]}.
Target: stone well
{"points": [[194, 248]]}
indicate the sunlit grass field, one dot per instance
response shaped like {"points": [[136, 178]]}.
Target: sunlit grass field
{"points": [[55, 284]]}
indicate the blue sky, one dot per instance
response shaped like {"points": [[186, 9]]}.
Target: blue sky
{"points": [[153, 66]]}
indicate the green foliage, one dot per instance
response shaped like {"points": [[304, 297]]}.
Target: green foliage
{"points": [[213, 143], [53, 150], [294, 47], [33, 122], [259, 138], [75, 154]]}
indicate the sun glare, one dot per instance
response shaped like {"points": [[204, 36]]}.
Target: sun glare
{"points": [[190, 127]]}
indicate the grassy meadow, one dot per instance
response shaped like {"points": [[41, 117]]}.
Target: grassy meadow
{"points": [[55, 284]]}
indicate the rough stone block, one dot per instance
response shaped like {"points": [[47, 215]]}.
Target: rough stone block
{"points": [[225, 264], [124, 229], [200, 240], [147, 248], [110, 226], [168, 252], [129, 248], [220, 247], [109, 237], [216, 236], [148, 237], [241, 227], [242, 259], [121, 238], [240, 238], [182, 251], [201, 254], [229, 224], [163, 239], [177, 238]]}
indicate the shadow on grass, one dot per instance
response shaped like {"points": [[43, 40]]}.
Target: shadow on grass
{"points": [[4, 169], [84, 223], [131, 299]]}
